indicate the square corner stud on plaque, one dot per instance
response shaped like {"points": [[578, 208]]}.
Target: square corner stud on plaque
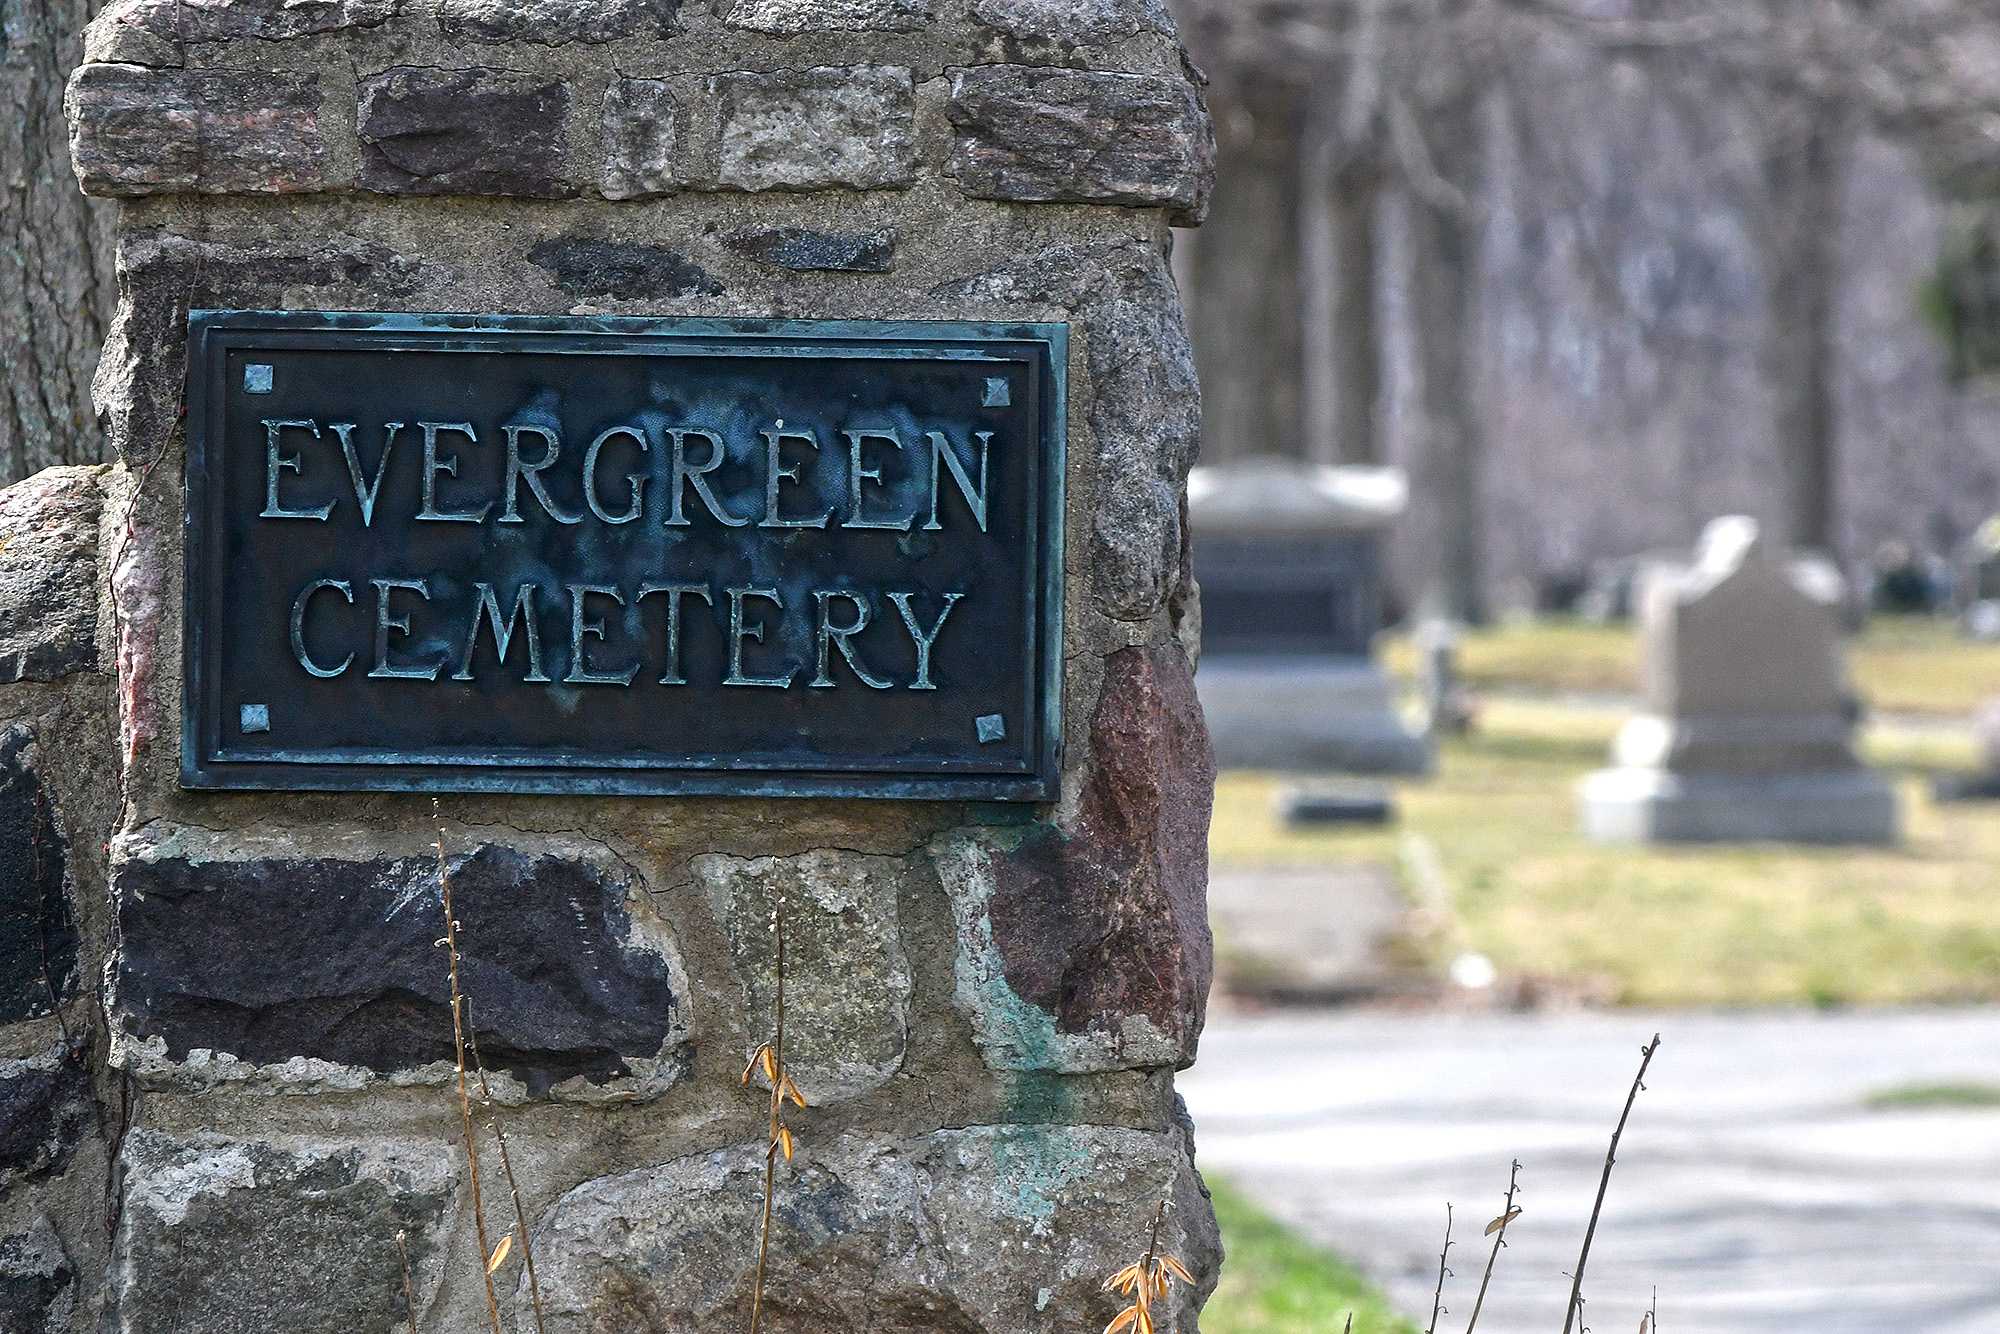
{"points": [[505, 553]]}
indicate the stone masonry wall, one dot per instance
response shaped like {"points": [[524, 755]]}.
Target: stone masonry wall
{"points": [[985, 1005]]}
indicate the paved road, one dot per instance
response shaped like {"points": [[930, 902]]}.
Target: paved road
{"points": [[1754, 1187]]}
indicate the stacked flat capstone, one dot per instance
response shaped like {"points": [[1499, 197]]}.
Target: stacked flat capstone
{"points": [[1748, 728], [985, 1014]]}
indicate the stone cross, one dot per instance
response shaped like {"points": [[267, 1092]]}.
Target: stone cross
{"points": [[1748, 722], [984, 1003]]}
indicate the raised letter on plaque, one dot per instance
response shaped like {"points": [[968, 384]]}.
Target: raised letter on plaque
{"points": [[487, 609], [684, 475], [532, 473], [433, 465], [579, 626], [365, 492], [274, 460], [857, 474], [830, 634], [924, 641], [738, 632], [941, 451], [300, 605], [638, 479], [384, 623], [673, 675], [776, 472]]}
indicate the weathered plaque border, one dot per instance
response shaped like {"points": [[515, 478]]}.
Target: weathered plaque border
{"points": [[212, 334]]}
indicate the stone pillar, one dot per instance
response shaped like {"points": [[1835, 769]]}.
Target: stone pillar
{"points": [[986, 1002], [1748, 728]]}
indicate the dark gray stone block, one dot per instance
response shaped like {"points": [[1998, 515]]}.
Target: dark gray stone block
{"points": [[1076, 136], [582, 266], [640, 131], [48, 575], [46, 1110], [319, 957], [272, 20], [432, 131], [250, 1237], [556, 22], [137, 131], [798, 248], [37, 1282], [38, 941]]}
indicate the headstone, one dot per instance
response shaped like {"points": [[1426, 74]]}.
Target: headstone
{"points": [[1984, 783], [1748, 723], [703, 485], [1447, 704], [1289, 558], [1978, 589]]}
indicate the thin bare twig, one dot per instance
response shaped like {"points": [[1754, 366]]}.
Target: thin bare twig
{"points": [[409, 1298], [1498, 1227], [771, 1056], [464, 1095], [1437, 1299], [1604, 1183], [506, 1166]]}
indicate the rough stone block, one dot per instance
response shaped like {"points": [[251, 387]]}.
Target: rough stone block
{"points": [[556, 22], [38, 940], [566, 972], [583, 266], [833, 252], [1145, 409], [1074, 22], [640, 132], [194, 21], [295, 1235], [1078, 136], [817, 128], [48, 574], [1090, 950], [984, 1230], [46, 1110], [37, 1282], [137, 131], [789, 18], [430, 131], [847, 983]]}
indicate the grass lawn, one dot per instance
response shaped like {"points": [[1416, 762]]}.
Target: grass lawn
{"points": [[1669, 926], [1274, 1282], [1901, 664]]}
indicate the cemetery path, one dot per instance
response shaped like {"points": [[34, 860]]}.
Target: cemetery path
{"points": [[1756, 1187]]}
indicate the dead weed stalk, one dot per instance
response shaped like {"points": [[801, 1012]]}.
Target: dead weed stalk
{"points": [[1574, 1313], [1497, 1229], [490, 1258], [770, 1058], [1437, 1297], [1145, 1281]]}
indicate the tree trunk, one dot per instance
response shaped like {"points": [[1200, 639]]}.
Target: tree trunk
{"points": [[1341, 345], [1443, 251], [1244, 294], [1805, 174], [56, 282]]}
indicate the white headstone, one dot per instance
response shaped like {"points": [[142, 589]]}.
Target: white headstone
{"points": [[1747, 732]]}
